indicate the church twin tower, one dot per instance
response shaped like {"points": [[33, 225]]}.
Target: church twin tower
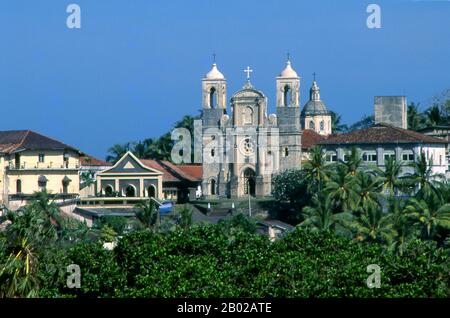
{"points": [[244, 150]]}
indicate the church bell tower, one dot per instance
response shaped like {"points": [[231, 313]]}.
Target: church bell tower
{"points": [[288, 117]]}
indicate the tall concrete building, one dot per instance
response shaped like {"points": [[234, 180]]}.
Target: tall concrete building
{"points": [[391, 110]]}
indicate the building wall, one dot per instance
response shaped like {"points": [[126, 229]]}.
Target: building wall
{"points": [[317, 119], [30, 169], [434, 152]]}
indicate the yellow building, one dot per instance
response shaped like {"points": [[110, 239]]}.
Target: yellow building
{"points": [[31, 162]]}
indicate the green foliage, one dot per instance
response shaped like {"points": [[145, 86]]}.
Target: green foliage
{"points": [[185, 216], [117, 223], [210, 261], [290, 187]]}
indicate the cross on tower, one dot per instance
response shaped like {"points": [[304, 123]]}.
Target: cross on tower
{"points": [[248, 70], [288, 56], [214, 57], [314, 74]]}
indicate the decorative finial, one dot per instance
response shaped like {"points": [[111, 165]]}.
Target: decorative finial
{"points": [[248, 70], [214, 57], [314, 74], [288, 56]]}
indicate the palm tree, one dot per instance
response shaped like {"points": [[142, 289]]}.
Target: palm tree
{"points": [[390, 176], [336, 126], [320, 217], [354, 161], [117, 151], [423, 177], [367, 188], [374, 226], [405, 230], [429, 214], [316, 170], [147, 213], [434, 115], [341, 189], [18, 275], [414, 117]]}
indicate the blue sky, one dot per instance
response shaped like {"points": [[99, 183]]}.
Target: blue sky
{"points": [[135, 67]]}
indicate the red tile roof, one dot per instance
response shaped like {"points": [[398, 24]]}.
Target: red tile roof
{"points": [[91, 161], [379, 134], [172, 172], [12, 140], [310, 138]]}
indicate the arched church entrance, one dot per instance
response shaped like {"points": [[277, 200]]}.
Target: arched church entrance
{"points": [[249, 182]]}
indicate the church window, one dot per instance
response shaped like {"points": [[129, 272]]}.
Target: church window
{"points": [[287, 96], [247, 147], [212, 97], [311, 124], [248, 116], [213, 187], [322, 128], [212, 152], [286, 151]]}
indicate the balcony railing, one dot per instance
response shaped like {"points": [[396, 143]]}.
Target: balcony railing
{"points": [[41, 166]]}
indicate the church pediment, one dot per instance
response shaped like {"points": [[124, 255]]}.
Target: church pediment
{"points": [[130, 164]]}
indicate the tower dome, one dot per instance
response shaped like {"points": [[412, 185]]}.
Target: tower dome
{"points": [[315, 106], [214, 73], [288, 71]]}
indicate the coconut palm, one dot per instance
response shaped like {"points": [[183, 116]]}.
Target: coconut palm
{"points": [[367, 188], [405, 230], [117, 151], [434, 115], [429, 213], [390, 178], [374, 226], [320, 217], [423, 177], [147, 213], [354, 161], [341, 189], [18, 275], [317, 171]]}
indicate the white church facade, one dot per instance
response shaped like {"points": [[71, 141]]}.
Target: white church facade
{"points": [[243, 146]]}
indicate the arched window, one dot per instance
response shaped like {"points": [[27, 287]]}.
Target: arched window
{"points": [[151, 191], [18, 186], [212, 97], [248, 116], [213, 187], [65, 184], [311, 124], [109, 191], [42, 183], [322, 126], [212, 152], [287, 96], [130, 191], [286, 151]]}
